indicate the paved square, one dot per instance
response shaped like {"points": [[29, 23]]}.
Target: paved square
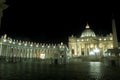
{"points": [[70, 71]]}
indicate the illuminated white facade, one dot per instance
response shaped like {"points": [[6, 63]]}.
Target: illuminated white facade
{"points": [[89, 43], [13, 49]]}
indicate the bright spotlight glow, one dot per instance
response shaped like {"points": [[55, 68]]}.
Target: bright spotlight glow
{"points": [[96, 50], [10, 41], [31, 45], [48, 46], [25, 44], [42, 56], [19, 43], [92, 53], [13, 42], [4, 40], [36, 45]]}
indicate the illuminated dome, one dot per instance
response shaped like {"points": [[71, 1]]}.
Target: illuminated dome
{"points": [[88, 32]]}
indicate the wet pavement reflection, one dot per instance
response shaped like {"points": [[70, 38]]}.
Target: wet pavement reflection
{"points": [[71, 71]]}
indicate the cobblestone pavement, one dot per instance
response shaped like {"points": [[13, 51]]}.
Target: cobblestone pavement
{"points": [[71, 71]]}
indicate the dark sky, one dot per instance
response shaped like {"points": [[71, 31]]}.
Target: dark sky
{"points": [[53, 22]]}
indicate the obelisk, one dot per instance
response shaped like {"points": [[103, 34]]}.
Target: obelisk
{"points": [[116, 50], [115, 40], [2, 7]]}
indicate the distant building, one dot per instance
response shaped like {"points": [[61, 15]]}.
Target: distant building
{"points": [[89, 44]]}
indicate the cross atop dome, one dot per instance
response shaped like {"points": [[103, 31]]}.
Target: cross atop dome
{"points": [[87, 26]]}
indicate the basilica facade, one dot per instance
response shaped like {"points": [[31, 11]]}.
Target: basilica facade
{"points": [[89, 44]]}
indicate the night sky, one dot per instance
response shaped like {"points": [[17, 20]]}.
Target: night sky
{"points": [[53, 22]]}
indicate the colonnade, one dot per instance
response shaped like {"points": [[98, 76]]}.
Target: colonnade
{"points": [[14, 50]]}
